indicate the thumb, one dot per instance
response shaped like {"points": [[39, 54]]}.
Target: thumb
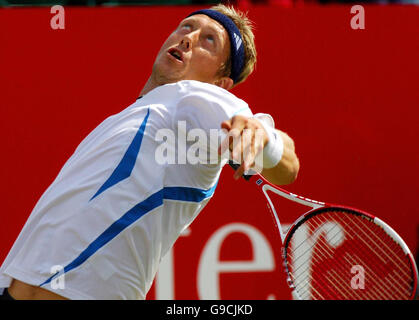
{"points": [[226, 125]]}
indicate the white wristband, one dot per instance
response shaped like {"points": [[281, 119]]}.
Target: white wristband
{"points": [[273, 150]]}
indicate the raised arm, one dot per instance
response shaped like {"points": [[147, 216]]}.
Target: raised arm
{"points": [[286, 171], [273, 143]]}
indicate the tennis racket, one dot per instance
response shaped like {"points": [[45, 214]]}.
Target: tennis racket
{"points": [[335, 252]]}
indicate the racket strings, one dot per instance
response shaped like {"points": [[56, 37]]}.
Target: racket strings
{"points": [[392, 248], [334, 283], [303, 256], [382, 242], [337, 279], [399, 266], [379, 291], [372, 294], [303, 243], [309, 247], [374, 246], [377, 276], [383, 292], [315, 258], [375, 279]]}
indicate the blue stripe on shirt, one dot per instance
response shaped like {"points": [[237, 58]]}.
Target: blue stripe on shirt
{"points": [[155, 200], [127, 163]]}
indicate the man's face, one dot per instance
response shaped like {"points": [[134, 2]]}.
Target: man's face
{"points": [[196, 50]]}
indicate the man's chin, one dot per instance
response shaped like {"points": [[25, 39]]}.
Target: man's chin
{"points": [[167, 75]]}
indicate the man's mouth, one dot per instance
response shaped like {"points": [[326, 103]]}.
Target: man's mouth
{"points": [[177, 54]]}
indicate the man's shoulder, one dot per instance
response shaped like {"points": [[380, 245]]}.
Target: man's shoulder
{"points": [[209, 94], [197, 89], [194, 94], [188, 87]]}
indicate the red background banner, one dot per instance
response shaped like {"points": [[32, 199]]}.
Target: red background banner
{"points": [[349, 98]]}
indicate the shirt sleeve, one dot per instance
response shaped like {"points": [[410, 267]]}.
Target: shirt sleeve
{"points": [[199, 115]]}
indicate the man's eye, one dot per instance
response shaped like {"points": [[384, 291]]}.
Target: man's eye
{"points": [[186, 27], [210, 38]]}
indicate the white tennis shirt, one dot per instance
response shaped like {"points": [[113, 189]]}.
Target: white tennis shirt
{"points": [[113, 211]]}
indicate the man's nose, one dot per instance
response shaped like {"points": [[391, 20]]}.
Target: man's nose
{"points": [[189, 40], [186, 43]]}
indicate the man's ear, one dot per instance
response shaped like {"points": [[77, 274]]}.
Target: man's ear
{"points": [[225, 83]]}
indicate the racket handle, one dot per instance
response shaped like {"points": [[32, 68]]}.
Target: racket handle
{"points": [[235, 166]]}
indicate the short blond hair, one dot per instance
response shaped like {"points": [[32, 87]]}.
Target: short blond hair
{"points": [[245, 26]]}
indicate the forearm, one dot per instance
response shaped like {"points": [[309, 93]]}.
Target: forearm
{"points": [[286, 171]]}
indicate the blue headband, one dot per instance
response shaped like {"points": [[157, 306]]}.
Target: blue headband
{"points": [[236, 40]]}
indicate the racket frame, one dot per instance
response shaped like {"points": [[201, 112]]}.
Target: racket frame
{"points": [[316, 208]]}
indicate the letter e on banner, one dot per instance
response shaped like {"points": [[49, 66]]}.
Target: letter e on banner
{"points": [[210, 267]]}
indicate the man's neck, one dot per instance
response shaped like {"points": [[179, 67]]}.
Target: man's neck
{"points": [[150, 85]]}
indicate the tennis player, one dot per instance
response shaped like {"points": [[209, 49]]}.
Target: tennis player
{"points": [[102, 227]]}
